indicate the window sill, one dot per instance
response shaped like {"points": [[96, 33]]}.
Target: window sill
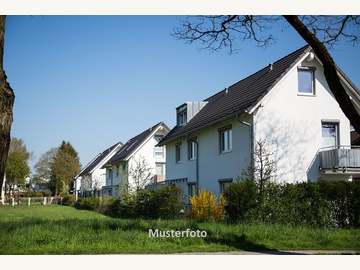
{"points": [[225, 152], [306, 95]]}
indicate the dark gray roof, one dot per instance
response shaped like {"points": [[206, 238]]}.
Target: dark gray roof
{"points": [[92, 164], [128, 148], [239, 96]]}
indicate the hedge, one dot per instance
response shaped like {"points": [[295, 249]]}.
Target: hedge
{"points": [[162, 203], [330, 204]]}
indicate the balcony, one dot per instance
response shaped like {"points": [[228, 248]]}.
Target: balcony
{"points": [[340, 160]]}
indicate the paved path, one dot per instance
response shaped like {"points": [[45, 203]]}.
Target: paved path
{"points": [[280, 252]]}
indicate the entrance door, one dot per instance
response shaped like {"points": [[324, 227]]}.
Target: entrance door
{"points": [[330, 134]]}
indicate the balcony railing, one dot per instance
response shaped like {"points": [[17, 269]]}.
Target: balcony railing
{"points": [[340, 159]]}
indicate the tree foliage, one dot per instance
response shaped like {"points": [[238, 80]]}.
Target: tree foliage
{"points": [[43, 167], [17, 168], [64, 168]]}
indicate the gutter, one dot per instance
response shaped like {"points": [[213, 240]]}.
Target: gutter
{"points": [[252, 150]]}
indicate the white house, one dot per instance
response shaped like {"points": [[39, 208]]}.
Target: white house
{"points": [[288, 105], [138, 156], [92, 177]]}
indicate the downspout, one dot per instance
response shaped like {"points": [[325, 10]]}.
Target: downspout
{"points": [[197, 166], [252, 157]]}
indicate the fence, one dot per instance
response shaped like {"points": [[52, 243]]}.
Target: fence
{"points": [[32, 201]]}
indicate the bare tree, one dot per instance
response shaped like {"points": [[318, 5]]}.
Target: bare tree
{"points": [[141, 173], [217, 32], [7, 98], [263, 168]]}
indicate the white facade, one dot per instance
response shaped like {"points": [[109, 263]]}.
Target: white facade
{"points": [[289, 122], [119, 174], [96, 177]]}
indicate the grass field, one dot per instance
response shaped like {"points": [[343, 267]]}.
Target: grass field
{"points": [[65, 230]]}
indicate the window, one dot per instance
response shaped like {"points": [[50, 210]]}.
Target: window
{"points": [[159, 168], [178, 152], [191, 189], [330, 134], [224, 184], [181, 115], [192, 150], [306, 81], [225, 139], [159, 151]]}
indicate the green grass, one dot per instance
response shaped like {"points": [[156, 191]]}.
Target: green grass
{"points": [[65, 230]]}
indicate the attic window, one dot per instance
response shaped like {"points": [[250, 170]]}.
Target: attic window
{"points": [[181, 115], [306, 81]]}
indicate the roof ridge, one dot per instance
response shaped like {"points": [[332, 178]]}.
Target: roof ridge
{"points": [[258, 71]]}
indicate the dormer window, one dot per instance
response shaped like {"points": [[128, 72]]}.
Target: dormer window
{"points": [[181, 114], [306, 81]]}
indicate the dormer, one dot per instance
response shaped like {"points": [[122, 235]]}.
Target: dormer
{"points": [[186, 111]]}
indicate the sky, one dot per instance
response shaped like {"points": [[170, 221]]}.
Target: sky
{"points": [[97, 80]]}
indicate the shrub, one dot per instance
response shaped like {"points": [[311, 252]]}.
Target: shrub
{"points": [[68, 200], [330, 204], [161, 203], [240, 197], [88, 204], [205, 206]]}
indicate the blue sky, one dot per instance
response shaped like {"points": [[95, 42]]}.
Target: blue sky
{"points": [[96, 80]]}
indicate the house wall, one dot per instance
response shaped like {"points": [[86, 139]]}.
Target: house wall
{"points": [[145, 151], [213, 166], [291, 125]]}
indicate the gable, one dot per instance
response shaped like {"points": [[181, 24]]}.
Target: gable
{"points": [[239, 97]]}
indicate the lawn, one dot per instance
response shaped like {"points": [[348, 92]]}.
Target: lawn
{"points": [[65, 230]]}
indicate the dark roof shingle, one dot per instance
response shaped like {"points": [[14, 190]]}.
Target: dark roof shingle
{"points": [[132, 144], [238, 97], [92, 164]]}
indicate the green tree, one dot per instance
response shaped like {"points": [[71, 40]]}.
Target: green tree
{"points": [[17, 168], [43, 167], [64, 168]]}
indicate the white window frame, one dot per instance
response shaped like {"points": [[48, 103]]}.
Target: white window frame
{"points": [[192, 150], [181, 115], [306, 69], [177, 146], [225, 140]]}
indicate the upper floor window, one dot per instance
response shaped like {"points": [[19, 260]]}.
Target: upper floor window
{"points": [[306, 81], [192, 150], [178, 152], [225, 139], [159, 151], [181, 114]]}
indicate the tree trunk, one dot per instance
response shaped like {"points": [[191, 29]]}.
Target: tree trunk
{"points": [[7, 98], [330, 70]]}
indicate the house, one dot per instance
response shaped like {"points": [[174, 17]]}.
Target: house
{"points": [[287, 105], [138, 162], [92, 177]]}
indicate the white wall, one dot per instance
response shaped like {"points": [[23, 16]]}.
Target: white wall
{"points": [[213, 166], [145, 151], [291, 124]]}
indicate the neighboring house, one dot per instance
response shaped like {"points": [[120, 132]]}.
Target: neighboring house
{"points": [[92, 177], [140, 156], [288, 104]]}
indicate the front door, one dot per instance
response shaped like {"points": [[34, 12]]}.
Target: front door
{"points": [[330, 134]]}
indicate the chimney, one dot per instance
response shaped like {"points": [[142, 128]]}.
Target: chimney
{"points": [[271, 66]]}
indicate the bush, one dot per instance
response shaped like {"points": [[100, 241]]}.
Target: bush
{"points": [[206, 206], [88, 204], [240, 197], [161, 203], [68, 200], [330, 204]]}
